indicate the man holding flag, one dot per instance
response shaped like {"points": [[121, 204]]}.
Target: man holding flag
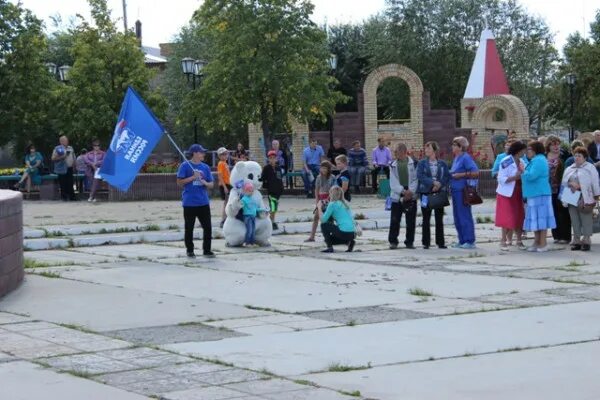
{"points": [[195, 177], [136, 134]]}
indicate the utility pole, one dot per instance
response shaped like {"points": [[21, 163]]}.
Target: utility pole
{"points": [[125, 15]]}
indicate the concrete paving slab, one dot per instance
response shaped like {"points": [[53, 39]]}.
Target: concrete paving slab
{"points": [[194, 368], [443, 306], [88, 364], [405, 341], [8, 318], [25, 381], [367, 315], [308, 394], [66, 257], [264, 329], [158, 387], [172, 334], [556, 373], [110, 307], [266, 386], [207, 393], [299, 284]]}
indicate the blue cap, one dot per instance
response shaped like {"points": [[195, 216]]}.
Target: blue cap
{"points": [[196, 148]]}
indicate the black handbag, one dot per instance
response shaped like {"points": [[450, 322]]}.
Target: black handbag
{"points": [[437, 200], [470, 196]]}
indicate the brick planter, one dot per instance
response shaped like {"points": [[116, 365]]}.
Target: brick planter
{"points": [[152, 187], [11, 240]]}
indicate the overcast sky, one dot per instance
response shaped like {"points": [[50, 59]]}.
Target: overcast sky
{"points": [[162, 19]]}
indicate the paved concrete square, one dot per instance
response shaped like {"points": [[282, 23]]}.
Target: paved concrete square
{"points": [[136, 319]]}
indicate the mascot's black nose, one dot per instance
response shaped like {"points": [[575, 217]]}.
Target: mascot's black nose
{"points": [[251, 177]]}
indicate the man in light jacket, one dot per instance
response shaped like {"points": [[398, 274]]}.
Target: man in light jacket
{"points": [[403, 186]]}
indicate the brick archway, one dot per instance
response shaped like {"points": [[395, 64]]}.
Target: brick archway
{"points": [[484, 121], [414, 138]]}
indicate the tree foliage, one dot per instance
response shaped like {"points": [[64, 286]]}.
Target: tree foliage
{"points": [[106, 62], [25, 85], [267, 62], [438, 40], [582, 58]]}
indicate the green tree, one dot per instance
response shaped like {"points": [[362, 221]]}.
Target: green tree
{"points": [[25, 85], [106, 62], [438, 39], [175, 86], [267, 62], [581, 57]]}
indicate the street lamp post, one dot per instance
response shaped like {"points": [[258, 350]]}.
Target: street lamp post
{"points": [[332, 65], [63, 72], [571, 81], [193, 69]]}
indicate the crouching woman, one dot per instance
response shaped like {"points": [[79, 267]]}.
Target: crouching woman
{"points": [[337, 222]]}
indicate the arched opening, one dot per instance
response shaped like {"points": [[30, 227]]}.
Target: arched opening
{"points": [[393, 109], [385, 105]]}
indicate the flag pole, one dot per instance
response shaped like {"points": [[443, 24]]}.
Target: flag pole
{"points": [[178, 149]]}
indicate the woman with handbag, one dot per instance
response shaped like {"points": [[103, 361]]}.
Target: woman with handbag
{"points": [[433, 176], [463, 192], [539, 215], [582, 177], [403, 187], [509, 196], [562, 233]]}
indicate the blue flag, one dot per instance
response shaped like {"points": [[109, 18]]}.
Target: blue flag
{"points": [[136, 134]]}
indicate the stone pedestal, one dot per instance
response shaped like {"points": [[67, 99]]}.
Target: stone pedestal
{"points": [[11, 240]]}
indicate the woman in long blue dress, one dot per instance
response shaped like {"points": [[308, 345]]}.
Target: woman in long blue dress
{"points": [[33, 164], [463, 170]]}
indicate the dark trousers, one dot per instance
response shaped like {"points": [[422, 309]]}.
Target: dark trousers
{"points": [[376, 172], [309, 186], [563, 220], [439, 226], [65, 181], [333, 235], [250, 223], [203, 214], [398, 208]]}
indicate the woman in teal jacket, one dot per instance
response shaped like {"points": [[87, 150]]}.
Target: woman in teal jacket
{"points": [[539, 216]]}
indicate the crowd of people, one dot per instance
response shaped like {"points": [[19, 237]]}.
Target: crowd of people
{"points": [[541, 186], [65, 164]]}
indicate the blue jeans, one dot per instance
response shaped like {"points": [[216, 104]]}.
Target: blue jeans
{"points": [[463, 219], [308, 185], [250, 222]]}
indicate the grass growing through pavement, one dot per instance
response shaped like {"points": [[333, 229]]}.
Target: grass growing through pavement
{"points": [[416, 291], [30, 263], [355, 393], [337, 367], [47, 274]]}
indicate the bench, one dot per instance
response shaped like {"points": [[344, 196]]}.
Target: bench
{"points": [[48, 190]]}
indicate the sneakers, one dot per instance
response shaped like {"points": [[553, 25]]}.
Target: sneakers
{"points": [[575, 247], [351, 246], [393, 246], [543, 249], [191, 254], [504, 247], [456, 245], [468, 246], [327, 250], [585, 247], [521, 246], [532, 249], [209, 254], [275, 226]]}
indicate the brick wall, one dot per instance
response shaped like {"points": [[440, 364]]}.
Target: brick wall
{"points": [[11, 240]]}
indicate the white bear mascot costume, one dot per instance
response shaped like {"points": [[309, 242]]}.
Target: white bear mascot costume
{"points": [[234, 230]]}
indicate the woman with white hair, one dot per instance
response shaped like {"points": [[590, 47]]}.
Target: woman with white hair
{"points": [[463, 169], [337, 222]]}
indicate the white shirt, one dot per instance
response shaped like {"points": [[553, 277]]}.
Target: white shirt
{"points": [[508, 168]]}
